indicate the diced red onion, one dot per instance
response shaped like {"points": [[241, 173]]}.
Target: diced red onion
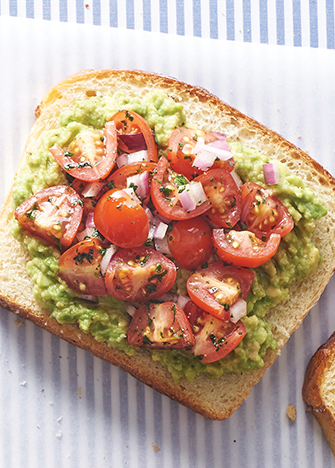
{"points": [[198, 192], [86, 233], [191, 195], [183, 300], [271, 174], [92, 189], [238, 310], [142, 183], [204, 160], [139, 156], [219, 135], [222, 154], [160, 230], [162, 246], [169, 297], [130, 191], [90, 220], [220, 144], [133, 141], [237, 178], [149, 214], [107, 258], [130, 309], [187, 200], [122, 160]]}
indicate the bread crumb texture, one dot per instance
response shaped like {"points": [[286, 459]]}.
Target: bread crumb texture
{"points": [[291, 412]]}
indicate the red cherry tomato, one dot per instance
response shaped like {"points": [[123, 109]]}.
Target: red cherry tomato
{"points": [[264, 214], [139, 275], [164, 194], [54, 214], [190, 242], [161, 326], [128, 122], [121, 220], [181, 151], [119, 178], [243, 248], [214, 338], [91, 155], [224, 195], [218, 287], [79, 267]]}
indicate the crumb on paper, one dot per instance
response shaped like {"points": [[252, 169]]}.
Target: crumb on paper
{"points": [[87, 5], [59, 419], [9, 371], [18, 323], [291, 412], [79, 392], [155, 447], [59, 434], [23, 383]]}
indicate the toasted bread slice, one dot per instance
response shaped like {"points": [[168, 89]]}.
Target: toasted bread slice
{"points": [[319, 388], [215, 399]]}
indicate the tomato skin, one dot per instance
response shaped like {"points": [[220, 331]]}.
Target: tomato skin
{"points": [[118, 179], [169, 207], [79, 267], [243, 248], [214, 338], [264, 214], [54, 214], [131, 122], [217, 287], [225, 197], [161, 326], [181, 151], [190, 242], [139, 275], [90, 156], [121, 220]]}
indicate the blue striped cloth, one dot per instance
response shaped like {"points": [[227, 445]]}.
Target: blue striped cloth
{"points": [[295, 22]]}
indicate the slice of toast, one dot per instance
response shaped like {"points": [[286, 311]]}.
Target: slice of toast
{"points": [[215, 399], [319, 388]]}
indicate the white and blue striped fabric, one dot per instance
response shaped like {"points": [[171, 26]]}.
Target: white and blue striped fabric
{"points": [[59, 406]]}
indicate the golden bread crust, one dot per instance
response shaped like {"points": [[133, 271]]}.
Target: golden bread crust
{"points": [[215, 399]]}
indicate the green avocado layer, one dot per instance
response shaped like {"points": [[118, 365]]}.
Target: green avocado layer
{"points": [[296, 259]]}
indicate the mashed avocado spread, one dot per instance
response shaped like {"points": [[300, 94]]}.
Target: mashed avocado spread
{"points": [[296, 259]]}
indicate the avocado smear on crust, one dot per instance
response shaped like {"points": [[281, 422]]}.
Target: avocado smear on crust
{"points": [[296, 259]]}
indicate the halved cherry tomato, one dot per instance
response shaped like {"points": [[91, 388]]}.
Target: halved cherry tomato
{"points": [[263, 213], [131, 122], [190, 242], [91, 155], [224, 195], [243, 248], [79, 267], [218, 287], [119, 178], [54, 214], [214, 338], [140, 274], [121, 220], [164, 194], [181, 151], [160, 326]]}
